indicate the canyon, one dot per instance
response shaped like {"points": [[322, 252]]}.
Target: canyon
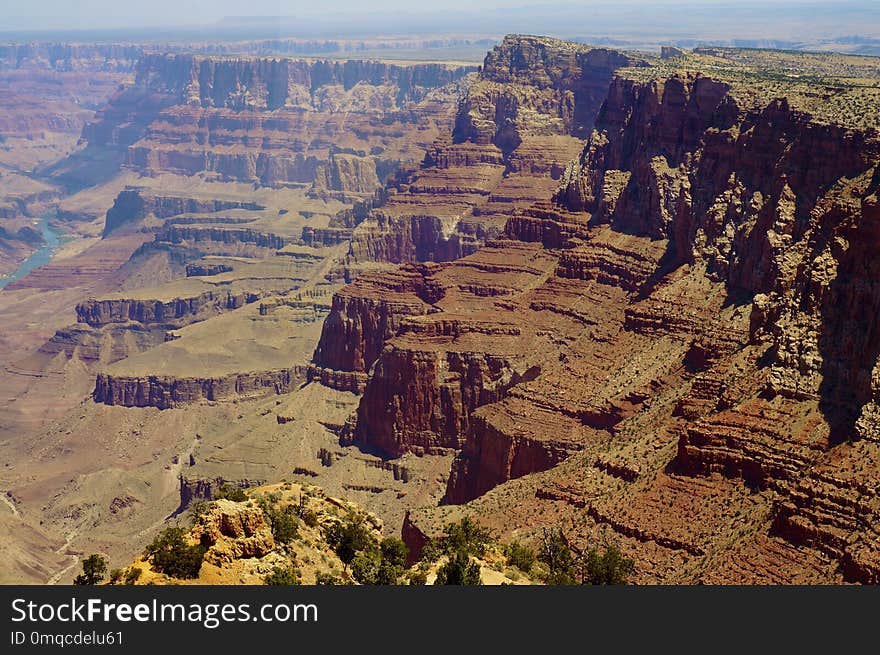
{"points": [[625, 294]]}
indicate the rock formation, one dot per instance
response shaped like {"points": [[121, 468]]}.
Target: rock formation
{"points": [[255, 119], [519, 123], [689, 339]]}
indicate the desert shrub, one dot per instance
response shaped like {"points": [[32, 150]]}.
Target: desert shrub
{"points": [[282, 520], [394, 551], [349, 536], [198, 509], [310, 518], [94, 569], [460, 569], [282, 576], [381, 564], [133, 575], [328, 579], [520, 556], [608, 568], [365, 566], [172, 555], [230, 492], [417, 577], [558, 557], [115, 576], [465, 535]]}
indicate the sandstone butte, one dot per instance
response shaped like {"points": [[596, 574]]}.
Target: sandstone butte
{"points": [[631, 296]]}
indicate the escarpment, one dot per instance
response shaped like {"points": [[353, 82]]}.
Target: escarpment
{"points": [[258, 119], [132, 205], [363, 316], [99, 312], [679, 349], [521, 120], [164, 392], [273, 83]]}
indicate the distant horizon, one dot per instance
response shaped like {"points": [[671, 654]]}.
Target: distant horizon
{"points": [[188, 19]]}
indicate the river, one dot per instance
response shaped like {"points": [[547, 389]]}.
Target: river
{"points": [[41, 256]]}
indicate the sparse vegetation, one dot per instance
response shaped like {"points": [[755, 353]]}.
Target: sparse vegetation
{"points": [[380, 564], [284, 520], [466, 535], [283, 576], [230, 492], [322, 579], [558, 557], [566, 565], [609, 568], [460, 569], [133, 575], [520, 556], [94, 568], [348, 537], [310, 518], [172, 555]]}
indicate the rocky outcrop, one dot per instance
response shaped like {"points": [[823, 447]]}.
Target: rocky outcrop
{"points": [[104, 345], [518, 125], [206, 270], [421, 400], [535, 86], [496, 451], [711, 375], [193, 489], [164, 392], [100, 312], [255, 120], [723, 180], [367, 313], [317, 237], [345, 177], [232, 531], [194, 235], [133, 204]]}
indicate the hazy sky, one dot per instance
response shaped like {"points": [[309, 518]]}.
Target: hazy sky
{"points": [[793, 19], [99, 14]]}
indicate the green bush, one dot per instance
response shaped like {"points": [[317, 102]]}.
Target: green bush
{"points": [[418, 577], [94, 569], [133, 575], [520, 556], [282, 576], [567, 566], [198, 509], [283, 521], [465, 535], [380, 565], [230, 492], [558, 557], [172, 555], [365, 566], [459, 570], [310, 518], [348, 537], [609, 568], [115, 576], [328, 579]]}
